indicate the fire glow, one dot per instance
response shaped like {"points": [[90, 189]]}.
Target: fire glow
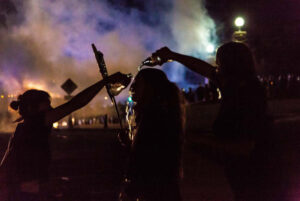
{"points": [[27, 84]]}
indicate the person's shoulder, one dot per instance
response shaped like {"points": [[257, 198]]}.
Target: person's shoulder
{"points": [[37, 121]]}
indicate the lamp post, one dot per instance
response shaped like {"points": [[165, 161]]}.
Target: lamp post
{"points": [[239, 35]]}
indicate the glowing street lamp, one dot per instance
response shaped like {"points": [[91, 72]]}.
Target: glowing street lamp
{"points": [[239, 22], [239, 36]]}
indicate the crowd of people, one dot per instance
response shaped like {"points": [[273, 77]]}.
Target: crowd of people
{"points": [[277, 87], [240, 133], [281, 86]]}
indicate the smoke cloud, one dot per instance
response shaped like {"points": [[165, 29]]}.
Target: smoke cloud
{"points": [[45, 42]]}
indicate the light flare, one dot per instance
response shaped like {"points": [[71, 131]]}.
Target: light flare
{"points": [[55, 125], [64, 124], [239, 22]]}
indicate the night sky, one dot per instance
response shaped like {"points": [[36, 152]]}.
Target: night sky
{"points": [[273, 28]]}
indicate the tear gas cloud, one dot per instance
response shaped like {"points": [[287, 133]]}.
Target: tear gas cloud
{"points": [[45, 42]]}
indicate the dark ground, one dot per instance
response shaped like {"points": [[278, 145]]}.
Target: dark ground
{"points": [[88, 164]]}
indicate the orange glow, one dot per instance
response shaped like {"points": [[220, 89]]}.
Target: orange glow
{"points": [[27, 84], [64, 124], [31, 85]]}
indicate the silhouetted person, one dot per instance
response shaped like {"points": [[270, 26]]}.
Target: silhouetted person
{"points": [[241, 127], [200, 93], [155, 161], [24, 167], [206, 93], [213, 91], [190, 96], [70, 122], [105, 119]]}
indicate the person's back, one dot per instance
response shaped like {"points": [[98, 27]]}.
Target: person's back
{"points": [[31, 146], [243, 106], [155, 158], [242, 117], [156, 147]]}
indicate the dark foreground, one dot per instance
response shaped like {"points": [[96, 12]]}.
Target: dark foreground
{"points": [[88, 165]]}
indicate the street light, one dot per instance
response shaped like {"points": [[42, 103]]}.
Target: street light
{"points": [[239, 22], [239, 35]]}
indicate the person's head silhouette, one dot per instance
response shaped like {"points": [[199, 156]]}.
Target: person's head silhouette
{"points": [[235, 59], [152, 87], [31, 103]]}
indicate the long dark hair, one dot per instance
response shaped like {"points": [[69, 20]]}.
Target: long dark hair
{"points": [[30, 99], [162, 110], [161, 94]]}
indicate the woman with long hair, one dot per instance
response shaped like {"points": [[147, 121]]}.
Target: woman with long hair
{"points": [[24, 167], [241, 129], [156, 149]]}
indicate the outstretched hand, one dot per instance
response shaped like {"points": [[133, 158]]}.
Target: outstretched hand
{"points": [[164, 53]]}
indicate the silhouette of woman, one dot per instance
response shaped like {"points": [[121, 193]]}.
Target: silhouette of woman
{"points": [[24, 167], [155, 161], [241, 127]]}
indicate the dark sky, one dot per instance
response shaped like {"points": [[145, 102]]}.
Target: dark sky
{"points": [[273, 28], [260, 15]]}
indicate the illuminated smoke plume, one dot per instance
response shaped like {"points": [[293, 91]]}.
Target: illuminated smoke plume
{"points": [[45, 42], [193, 31]]}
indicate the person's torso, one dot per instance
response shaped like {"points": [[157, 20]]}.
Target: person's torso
{"points": [[29, 152]]}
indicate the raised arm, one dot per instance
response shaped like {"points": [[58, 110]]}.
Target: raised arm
{"points": [[196, 65], [83, 98]]}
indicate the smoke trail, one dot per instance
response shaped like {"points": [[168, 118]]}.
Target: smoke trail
{"points": [[44, 42], [193, 31]]}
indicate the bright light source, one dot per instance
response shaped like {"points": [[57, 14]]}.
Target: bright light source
{"points": [[210, 48], [64, 124], [105, 98], [55, 125], [73, 120], [219, 93], [129, 99], [239, 22]]}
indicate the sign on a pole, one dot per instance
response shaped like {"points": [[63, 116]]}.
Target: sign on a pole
{"points": [[69, 86]]}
